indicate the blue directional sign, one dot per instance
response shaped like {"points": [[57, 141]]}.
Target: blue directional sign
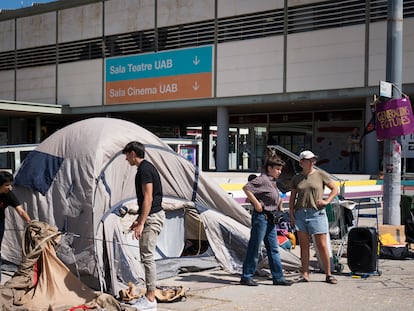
{"points": [[159, 64]]}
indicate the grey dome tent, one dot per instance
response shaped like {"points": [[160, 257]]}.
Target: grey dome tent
{"points": [[77, 180]]}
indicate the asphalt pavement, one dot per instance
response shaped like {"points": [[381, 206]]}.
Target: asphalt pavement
{"points": [[390, 289], [216, 289], [210, 290]]}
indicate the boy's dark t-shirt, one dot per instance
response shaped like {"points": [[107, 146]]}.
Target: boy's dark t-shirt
{"points": [[7, 199], [146, 174]]}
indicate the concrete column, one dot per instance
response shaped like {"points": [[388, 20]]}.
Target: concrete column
{"points": [[370, 144], [222, 164]]}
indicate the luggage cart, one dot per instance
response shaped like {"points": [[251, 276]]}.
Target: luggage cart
{"points": [[338, 229], [364, 210], [366, 242]]}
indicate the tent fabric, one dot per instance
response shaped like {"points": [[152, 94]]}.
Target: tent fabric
{"points": [[39, 161], [44, 283], [83, 181]]}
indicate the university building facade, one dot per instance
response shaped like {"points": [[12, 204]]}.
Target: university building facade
{"points": [[237, 74]]}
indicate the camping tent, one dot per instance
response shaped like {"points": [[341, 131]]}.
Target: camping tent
{"points": [[78, 180]]}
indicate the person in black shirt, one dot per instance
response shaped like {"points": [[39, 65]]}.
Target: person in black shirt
{"points": [[150, 220], [8, 198]]}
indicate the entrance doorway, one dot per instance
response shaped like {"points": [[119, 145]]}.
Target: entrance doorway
{"points": [[294, 139]]}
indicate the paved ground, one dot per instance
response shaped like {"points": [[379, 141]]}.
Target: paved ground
{"points": [[393, 289], [212, 290], [217, 290]]}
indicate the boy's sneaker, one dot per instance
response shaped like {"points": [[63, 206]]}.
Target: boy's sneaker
{"points": [[282, 282], [143, 304]]}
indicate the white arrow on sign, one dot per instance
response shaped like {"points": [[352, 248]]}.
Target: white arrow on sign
{"points": [[196, 61], [196, 86]]}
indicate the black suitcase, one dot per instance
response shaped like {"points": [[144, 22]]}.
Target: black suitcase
{"points": [[362, 250]]}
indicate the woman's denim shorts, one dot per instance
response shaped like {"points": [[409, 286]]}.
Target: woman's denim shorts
{"points": [[311, 221]]}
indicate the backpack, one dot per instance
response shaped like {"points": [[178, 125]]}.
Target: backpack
{"points": [[409, 227], [285, 235], [395, 252], [391, 249], [284, 242]]}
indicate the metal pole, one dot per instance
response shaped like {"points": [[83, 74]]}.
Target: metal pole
{"points": [[392, 147]]}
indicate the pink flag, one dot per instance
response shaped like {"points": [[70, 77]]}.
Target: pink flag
{"points": [[394, 118]]}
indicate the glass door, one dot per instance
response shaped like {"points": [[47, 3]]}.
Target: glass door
{"points": [[294, 139]]}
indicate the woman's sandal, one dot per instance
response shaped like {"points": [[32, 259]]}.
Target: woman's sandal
{"points": [[331, 280]]}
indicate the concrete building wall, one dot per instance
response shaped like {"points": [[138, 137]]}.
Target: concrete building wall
{"points": [[408, 48], [7, 84], [7, 35], [318, 60], [250, 67], [36, 84], [301, 2], [36, 30], [238, 7], [184, 11], [377, 52], [80, 84], [326, 59], [80, 23], [127, 16]]}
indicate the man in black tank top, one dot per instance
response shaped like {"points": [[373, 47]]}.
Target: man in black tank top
{"points": [[150, 220]]}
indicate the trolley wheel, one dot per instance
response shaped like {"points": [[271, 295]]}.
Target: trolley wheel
{"points": [[339, 267]]}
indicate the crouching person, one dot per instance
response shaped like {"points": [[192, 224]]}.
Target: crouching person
{"points": [[8, 198]]}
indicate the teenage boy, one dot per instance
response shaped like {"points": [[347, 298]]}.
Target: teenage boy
{"points": [[150, 220]]}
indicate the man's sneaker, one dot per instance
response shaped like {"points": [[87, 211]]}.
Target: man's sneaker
{"points": [[248, 282], [143, 304]]}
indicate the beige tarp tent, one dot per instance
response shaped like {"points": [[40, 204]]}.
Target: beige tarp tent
{"points": [[77, 180]]}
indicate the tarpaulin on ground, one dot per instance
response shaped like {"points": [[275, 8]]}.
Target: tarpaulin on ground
{"points": [[43, 282]]}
